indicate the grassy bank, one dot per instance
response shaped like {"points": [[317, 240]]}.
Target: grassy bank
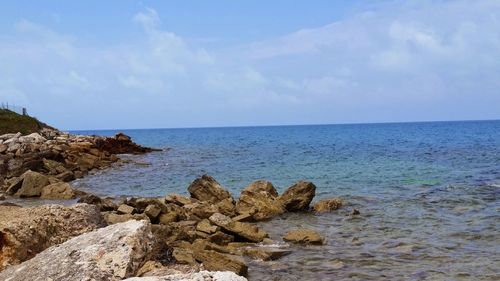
{"points": [[11, 122]]}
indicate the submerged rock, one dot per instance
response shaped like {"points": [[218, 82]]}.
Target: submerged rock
{"points": [[197, 276], [110, 253], [24, 232], [208, 189], [327, 205], [298, 196], [304, 236]]}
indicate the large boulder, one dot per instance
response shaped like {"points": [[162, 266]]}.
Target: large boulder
{"points": [[298, 196], [303, 236], [242, 230], [30, 185], [196, 276], [24, 232], [59, 190], [259, 200], [216, 261], [208, 189], [112, 253]]}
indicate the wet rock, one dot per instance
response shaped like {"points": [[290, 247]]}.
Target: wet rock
{"points": [[215, 261], [24, 232], [59, 190], [208, 189], [125, 209], [304, 236], [242, 230], [266, 254], [355, 212], [195, 276], [327, 205], [104, 204], [259, 200], [66, 176], [298, 196], [121, 144], [110, 253]]}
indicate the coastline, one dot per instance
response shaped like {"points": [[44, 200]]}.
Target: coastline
{"points": [[210, 230]]}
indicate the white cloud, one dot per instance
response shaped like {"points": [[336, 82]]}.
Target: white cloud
{"points": [[399, 61]]}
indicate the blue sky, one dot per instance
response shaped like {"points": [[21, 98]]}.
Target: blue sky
{"points": [[154, 64]]}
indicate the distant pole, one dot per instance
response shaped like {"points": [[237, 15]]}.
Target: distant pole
{"points": [[24, 111]]}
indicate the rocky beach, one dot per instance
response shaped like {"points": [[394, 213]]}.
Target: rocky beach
{"points": [[209, 235]]}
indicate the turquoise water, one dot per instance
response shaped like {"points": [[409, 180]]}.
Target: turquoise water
{"points": [[429, 193]]}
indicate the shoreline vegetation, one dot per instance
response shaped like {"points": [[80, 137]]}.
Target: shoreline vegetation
{"points": [[207, 236]]}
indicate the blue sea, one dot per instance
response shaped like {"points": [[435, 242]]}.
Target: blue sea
{"points": [[428, 193]]}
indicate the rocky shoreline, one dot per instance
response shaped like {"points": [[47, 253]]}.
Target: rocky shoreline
{"points": [[207, 236]]}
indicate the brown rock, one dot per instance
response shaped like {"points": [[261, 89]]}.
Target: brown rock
{"points": [[148, 267], [215, 261], [245, 231], [266, 254], [220, 238], [66, 176], [327, 205], [104, 205], [206, 226], [183, 256], [168, 217], [33, 183], [260, 201], [208, 189], [24, 232], [298, 196], [178, 199], [126, 209], [112, 218], [59, 190], [152, 211], [304, 236]]}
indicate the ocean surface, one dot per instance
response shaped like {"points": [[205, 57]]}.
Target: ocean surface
{"points": [[428, 193]]}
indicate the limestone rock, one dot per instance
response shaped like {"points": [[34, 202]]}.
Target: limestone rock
{"points": [[266, 254], [105, 204], [215, 261], [196, 276], [183, 256], [298, 196], [32, 185], [206, 227], [245, 231], [304, 236], [168, 217], [24, 232], [126, 209], [327, 205], [59, 190], [178, 199], [152, 211], [113, 218], [208, 189], [112, 253], [259, 201]]}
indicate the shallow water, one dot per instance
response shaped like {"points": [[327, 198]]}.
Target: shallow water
{"points": [[428, 192]]}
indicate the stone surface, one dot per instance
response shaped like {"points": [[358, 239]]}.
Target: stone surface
{"points": [[242, 230], [178, 199], [266, 254], [113, 218], [125, 209], [196, 276], [215, 261], [24, 232], [327, 205], [152, 211], [32, 185], [105, 204], [59, 190], [110, 253], [259, 200], [208, 189], [298, 196], [183, 256], [304, 236], [206, 226]]}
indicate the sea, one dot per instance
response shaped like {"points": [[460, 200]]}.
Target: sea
{"points": [[428, 192]]}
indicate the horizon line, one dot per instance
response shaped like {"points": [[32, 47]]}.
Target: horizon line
{"points": [[289, 125]]}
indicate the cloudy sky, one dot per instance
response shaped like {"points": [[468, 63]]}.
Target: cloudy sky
{"points": [[160, 64]]}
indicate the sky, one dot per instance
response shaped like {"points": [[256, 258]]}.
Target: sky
{"points": [[123, 64]]}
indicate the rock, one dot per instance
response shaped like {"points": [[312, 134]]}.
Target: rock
{"points": [[112, 253], [206, 227], [59, 190], [15, 185], [298, 196], [112, 218], [104, 205], [215, 261], [152, 211], [148, 267], [32, 185], [304, 236], [220, 238], [183, 256], [327, 205], [242, 230], [2, 197], [53, 167], [196, 276], [3, 148], [178, 199], [169, 217], [355, 212], [66, 176], [259, 200], [266, 254], [126, 209], [208, 189], [24, 232], [243, 217]]}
